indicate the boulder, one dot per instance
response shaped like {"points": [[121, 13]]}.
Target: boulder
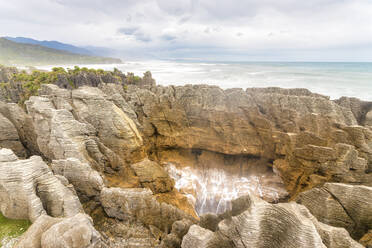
{"points": [[179, 229], [197, 237], [139, 204], [32, 237], [153, 176], [73, 232]]}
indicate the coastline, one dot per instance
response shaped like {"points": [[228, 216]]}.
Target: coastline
{"points": [[332, 79]]}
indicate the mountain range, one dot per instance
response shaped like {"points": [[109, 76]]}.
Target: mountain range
{"points": [[27, 51]]}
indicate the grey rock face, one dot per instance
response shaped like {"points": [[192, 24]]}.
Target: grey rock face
{"points": [[9, 137], [153, 176], [140, 205], [86, 181], [73, 232], [359, 108], [179, 229], [32, 237], [269, 225], [198, 237], [341, 205], [59, 135], [84, 125], [29, 189], [368, 119], [334, 237], [23, 123], [115, 129]]}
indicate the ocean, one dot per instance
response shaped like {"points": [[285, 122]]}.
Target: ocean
{"points": [[334, 79]]}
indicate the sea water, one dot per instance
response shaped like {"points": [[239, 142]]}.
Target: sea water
{"points": [[334, 79]]}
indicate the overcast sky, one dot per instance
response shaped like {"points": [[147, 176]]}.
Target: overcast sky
{"points": [[315, 30]]}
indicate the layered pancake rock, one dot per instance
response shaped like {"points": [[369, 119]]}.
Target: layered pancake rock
{"points": [[145, 162]]}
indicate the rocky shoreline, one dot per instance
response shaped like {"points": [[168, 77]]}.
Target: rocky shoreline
{"points": [[84, 159]]}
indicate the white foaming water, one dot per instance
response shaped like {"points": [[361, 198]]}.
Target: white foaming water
{"points": [[211, 191], [331, 79]]}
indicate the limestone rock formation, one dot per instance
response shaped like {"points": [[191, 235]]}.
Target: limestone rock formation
{"points": [[29, 189], [109, 144], [86, 126], [138, 204], [32, 237], [269, 225], [87, 182], [24, 125], [360, 109], [341, 205], [302, 135], [9, 137], [73, 232], [153, 176], [114, 129]]}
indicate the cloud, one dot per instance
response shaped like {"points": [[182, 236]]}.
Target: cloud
{"points": [[136, 33], [168, 37], [142, 37], [127, 31], [171, 28]]}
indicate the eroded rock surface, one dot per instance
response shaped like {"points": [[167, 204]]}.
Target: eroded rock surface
{"points": [[109, 144], [153, 176], [29, 189], [268, 225], [139, 205], [305, 137], [341, 205], [73, 232], [86, 181]]}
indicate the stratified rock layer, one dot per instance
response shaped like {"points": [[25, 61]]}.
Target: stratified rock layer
{"points": [[139, 205], [109, 144], [306, 138], [29, 189], [73, 232], [267, 225], [341, 205]]}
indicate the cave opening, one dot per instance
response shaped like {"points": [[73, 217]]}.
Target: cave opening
{"points": [[211, 180]]}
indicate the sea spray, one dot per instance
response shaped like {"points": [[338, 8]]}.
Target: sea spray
{"points": [[212, 190]]}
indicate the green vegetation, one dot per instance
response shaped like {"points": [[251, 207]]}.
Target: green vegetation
{"points": [[13, 53], [27, 83], [132, 79], [31, 82], [11, 228]]}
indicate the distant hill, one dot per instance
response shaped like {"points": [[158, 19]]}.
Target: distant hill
{"points": [[51, 44], [14, 53]]}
